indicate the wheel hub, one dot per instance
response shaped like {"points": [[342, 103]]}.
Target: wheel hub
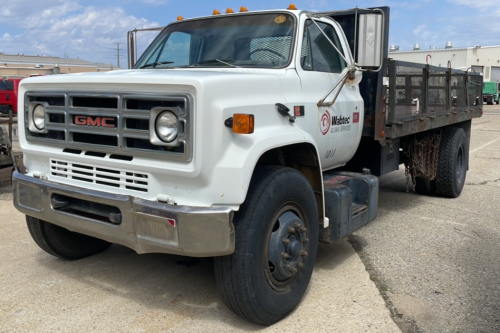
{"points": [[287, 247]]}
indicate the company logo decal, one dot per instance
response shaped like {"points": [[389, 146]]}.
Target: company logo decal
{"points": [[324, 123], [355, 117], [95, 121], [341, 120]]}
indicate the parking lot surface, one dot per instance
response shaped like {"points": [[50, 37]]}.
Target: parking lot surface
{"points": [[436, 259], [121, 291]]}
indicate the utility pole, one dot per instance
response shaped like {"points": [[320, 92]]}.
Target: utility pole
{"points": [[118, 53]]}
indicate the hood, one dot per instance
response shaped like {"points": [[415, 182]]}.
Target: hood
{"points": [[192, 76]]}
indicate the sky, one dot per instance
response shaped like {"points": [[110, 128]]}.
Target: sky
{"points": [[91, 29]]}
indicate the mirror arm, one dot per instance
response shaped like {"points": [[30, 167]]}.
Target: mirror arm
{"points": [[355, 34], [341, 81]]}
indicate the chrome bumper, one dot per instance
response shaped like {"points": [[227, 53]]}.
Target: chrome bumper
{"points": [[145, 226]]}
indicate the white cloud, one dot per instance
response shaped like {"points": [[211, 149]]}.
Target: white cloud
{"points": [[66, 27], [6, 38]]}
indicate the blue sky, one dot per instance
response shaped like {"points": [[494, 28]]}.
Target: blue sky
{"points": [[90, 29]]}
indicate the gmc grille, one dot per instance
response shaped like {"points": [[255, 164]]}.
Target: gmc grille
{"points": [[112, 123]]}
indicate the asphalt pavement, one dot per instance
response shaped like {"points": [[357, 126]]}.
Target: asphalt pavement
{"points": [[121, 291], [436, 260]]}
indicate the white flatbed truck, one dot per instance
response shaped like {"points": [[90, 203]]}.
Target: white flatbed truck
{"points": [[248, 137]]}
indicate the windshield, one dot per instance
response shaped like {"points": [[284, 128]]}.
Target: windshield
{"points": [[6, 85], [258, 40]]}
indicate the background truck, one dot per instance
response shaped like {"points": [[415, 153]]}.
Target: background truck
{"points": [[490, 92], [248, 137], [8, 95]]}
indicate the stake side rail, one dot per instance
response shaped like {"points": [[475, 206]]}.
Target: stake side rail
{"points": [[421, 97]]}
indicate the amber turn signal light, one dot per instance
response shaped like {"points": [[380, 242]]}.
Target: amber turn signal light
{"points": [[229, 11], [216, 12], [243, 9], [292, 7], [241, 123]]}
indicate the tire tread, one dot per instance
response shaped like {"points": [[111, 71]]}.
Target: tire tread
{"points": [[233, 290], [445, 177]]}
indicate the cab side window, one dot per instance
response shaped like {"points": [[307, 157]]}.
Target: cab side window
{"points": [[317, 53]]}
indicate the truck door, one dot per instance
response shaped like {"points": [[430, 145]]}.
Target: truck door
{"points": [[319, 66]]}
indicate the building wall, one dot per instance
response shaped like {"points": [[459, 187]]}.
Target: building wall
{"points": [[485, 58], [12, 65], [458, 57]]}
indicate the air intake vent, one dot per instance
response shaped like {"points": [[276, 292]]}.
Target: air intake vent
{"points": [[129, 180]]}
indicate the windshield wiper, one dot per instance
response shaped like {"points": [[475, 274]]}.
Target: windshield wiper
{"points": [[154, 64], [211, 61]]}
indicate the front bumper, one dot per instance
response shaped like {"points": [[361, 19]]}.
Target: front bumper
{"points": [[145, 226]]}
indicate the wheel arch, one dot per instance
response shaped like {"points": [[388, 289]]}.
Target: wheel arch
{"points": [[304, 158]]}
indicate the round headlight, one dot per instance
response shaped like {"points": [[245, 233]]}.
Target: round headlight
{"points": [[39, 117], [166, 126]]}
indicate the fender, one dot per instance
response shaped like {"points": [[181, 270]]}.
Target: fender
{"points": [[242, 156]]}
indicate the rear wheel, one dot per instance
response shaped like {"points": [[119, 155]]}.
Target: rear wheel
{"points": [[276, 243], [452, 163], [63, 243]]}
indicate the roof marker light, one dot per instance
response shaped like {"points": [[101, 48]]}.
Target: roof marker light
{"points": [[243, 9], [229, 11], [180, 18], [216, 12], [292, 7]]}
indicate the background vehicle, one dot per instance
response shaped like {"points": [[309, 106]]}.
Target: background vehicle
{"points": [[490, 92], [249, 137], [8, 95]]}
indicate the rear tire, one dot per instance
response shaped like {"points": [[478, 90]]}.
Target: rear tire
{"points": [[277, 232], [452, 163], [63, 243]]}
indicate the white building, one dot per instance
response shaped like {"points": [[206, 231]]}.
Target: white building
{"points": [[483, 59], [26, 65]]}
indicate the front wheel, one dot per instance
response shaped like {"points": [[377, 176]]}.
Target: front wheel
{"points": [[276, 243], [61, 242]]}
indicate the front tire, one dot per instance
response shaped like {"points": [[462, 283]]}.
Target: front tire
{"points": [[452, 162], [276, 243], [63, 243]]}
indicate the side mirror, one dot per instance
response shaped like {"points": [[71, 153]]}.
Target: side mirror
{"points": [[371, 40]]}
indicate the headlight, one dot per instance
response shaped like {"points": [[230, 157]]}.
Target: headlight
{"points": [[39, 117], [166, 126]]}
